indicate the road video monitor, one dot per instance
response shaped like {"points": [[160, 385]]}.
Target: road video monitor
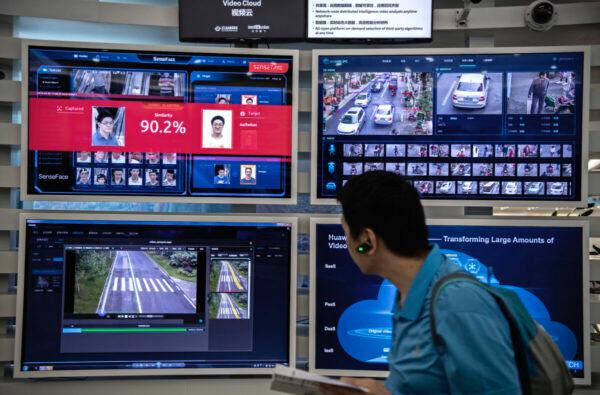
{"points": [[133, 295], [502, 126], [210, 125], [544, 262]]}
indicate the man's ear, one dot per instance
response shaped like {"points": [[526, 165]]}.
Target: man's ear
{"points": [[370, 238]]}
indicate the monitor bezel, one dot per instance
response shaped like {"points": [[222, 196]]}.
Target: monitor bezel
{"points": [[585, 127], [25, 195], [24, 217], [549, 222]]}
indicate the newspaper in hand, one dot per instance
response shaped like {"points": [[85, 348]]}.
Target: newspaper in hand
{"points": [[294, 381]]}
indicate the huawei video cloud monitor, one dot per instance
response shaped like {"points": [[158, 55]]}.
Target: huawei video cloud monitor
{"points": [[154, 295], [474, 127], [544, 262], [148, 123]]}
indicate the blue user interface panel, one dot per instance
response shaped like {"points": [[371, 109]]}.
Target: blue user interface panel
{"points": [[115, 295], [354, 327], [460, 127]]}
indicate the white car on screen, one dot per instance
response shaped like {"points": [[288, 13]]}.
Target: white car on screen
{"points": [[362, 99], [468, 187], [384, 115], [352, 121], [535, 188], [557, 188], [511, 188], [471, 91]]}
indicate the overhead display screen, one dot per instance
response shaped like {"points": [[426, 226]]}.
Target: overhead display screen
{"points": [[370, 20], [256, 20], [486, 127], [159, 124], [105, 296], [353, 327]]}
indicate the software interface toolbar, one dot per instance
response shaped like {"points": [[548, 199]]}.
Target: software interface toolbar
{"points": [[108, 122], [353, 312], [463, 127], [126, 295]]}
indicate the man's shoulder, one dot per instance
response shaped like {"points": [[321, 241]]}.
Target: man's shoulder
{"points": [[463, 296]]}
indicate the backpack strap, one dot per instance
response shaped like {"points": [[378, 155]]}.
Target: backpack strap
{"points": [[519, 348]]}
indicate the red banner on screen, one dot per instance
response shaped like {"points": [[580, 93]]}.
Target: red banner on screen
{"points": [[268, 67], [70, 125]]}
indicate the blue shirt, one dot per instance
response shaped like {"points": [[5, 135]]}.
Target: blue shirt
{"points": [[477, 356], [98, 140]]}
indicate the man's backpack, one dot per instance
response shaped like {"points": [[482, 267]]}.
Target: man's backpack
{"points": [[541, 366]]}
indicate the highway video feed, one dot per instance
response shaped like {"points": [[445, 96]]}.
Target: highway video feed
{"points": [[120, 294], [134, 281], [443, 119], [372, 103], [229, 289]]}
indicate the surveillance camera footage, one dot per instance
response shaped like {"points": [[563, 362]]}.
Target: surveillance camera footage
{"points": [[114, 294], [485, 122]]}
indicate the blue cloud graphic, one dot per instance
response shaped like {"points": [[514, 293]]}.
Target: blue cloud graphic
{"points": [[365, 328]]}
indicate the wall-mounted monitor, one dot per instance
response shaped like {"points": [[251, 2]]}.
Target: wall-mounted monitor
{"points": [[111, 122], [501, 126], [364, 20], [242, 20], [548, 268], [129, 295]]}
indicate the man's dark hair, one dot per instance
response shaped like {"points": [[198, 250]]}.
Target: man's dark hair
{"points": [[170, 172], [104, 112], [100, 176], [216, 118], [542, 73], [389, 205]]}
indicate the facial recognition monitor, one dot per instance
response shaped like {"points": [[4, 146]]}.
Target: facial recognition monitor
{"points": [[364, 20], [242, 20], [152, 124], [129, 295], [544, 262], [470, 127]]}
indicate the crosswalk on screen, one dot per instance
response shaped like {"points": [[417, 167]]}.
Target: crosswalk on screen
{"points": [[542, 265], [118, 295], [159, 124], [460, 127]]}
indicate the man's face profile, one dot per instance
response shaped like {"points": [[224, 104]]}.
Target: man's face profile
{"points": [[135, 173], [248, 172], [118, 174], [221, 172]]}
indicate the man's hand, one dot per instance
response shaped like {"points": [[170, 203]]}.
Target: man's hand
{"points": [[375, 387]]}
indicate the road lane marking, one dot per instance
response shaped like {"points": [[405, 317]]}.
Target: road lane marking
{"points": [[104, 295], [153, 285], [139, 286], [160, 285], [232, 308], [168, 286], [146, 284], [234, 276], [123, 284], [115, 284], [137, 296]]}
